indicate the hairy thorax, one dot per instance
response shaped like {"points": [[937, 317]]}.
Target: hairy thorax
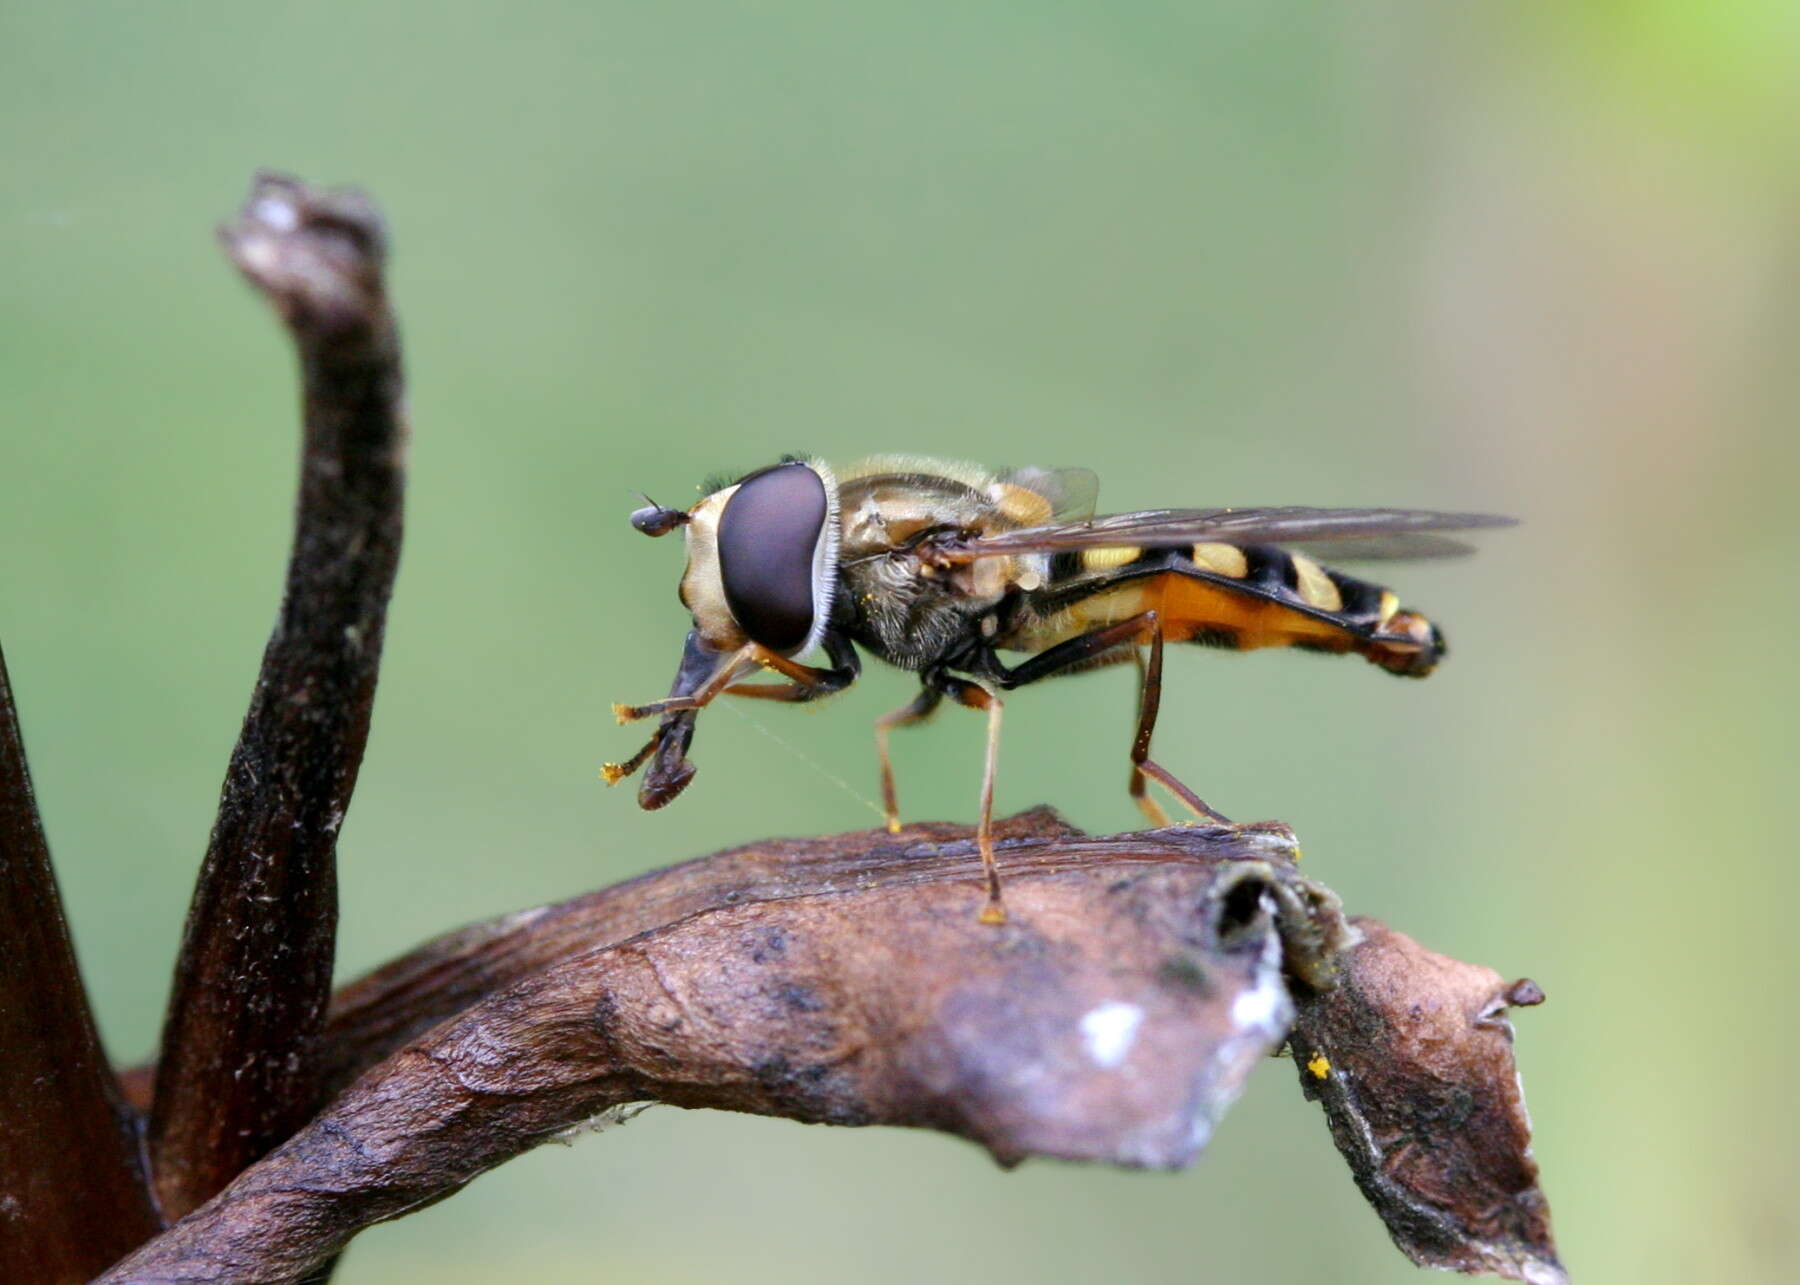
{"points": [[890, 598]]}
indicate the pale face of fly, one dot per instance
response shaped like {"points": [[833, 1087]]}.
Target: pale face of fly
{"points": [[762, 559]]}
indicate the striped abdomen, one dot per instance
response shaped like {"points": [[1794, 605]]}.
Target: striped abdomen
{"points": [[1226, 596]]}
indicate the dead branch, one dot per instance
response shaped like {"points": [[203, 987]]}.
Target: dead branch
{"points": [[238, 1070], [72, 1194], [844, 980], [847, 981]]}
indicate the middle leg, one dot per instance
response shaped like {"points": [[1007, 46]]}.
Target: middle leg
{"points": [[979, 696], [915, 710]]}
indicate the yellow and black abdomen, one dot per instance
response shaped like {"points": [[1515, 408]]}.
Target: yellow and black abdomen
{"points": [[1222, 595]]}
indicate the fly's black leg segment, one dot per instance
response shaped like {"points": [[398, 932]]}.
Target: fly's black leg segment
{"points": [[975, 695], [1147, 705], [1072, 654], [1094, 646], [919, 708], [613, 773]]}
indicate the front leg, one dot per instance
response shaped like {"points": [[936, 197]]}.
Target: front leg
{"points": [[666, 751], [808, 684], [705, 674]]}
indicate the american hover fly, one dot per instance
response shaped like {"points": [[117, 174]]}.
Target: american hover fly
{"points": [[938, 568]]}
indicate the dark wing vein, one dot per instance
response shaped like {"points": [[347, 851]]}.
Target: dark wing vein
{"points": [[1350, 533]]}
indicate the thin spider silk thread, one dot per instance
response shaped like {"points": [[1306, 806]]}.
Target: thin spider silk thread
{"points": [[806, 758]]}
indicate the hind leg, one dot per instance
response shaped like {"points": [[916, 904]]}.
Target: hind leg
{"points": [[1138, 786], [1101, 646], [1149, 702]]}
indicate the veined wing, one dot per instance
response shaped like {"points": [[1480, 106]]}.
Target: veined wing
{"points": [[1069, 494], [1344, 534]]}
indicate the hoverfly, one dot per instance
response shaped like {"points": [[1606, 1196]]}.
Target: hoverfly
{"points": [[939, 568]]}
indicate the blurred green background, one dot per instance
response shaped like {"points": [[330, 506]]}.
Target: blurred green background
{"points": [[1539, 258]]}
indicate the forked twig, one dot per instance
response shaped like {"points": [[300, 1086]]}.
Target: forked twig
{"points": [[843, 980]]}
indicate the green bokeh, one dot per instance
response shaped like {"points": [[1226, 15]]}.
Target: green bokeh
{"points": [[1247, 252]]}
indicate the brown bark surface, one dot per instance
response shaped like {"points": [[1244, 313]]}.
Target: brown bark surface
{"points": [[844, 980], [239, 1071], [72, 1192]]}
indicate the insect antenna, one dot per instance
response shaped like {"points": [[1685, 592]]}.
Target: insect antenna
{"points": [[657, 519]]}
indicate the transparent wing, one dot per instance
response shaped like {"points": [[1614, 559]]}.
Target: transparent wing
{"points": [[1071, 493], [1386, 548], [1348, 534]]}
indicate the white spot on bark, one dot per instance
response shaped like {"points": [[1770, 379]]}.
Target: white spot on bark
{"points": [[1110, 1031]]}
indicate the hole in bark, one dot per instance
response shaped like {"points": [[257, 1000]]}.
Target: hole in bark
{"points": [[1240, 912]]}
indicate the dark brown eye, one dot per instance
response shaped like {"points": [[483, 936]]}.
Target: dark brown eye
{"points": [[769, 537]]}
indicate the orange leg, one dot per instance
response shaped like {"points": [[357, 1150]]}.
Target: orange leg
{"points": [[805, 677], [729, 670], [704, 676], [915, 710], [975, 695]]}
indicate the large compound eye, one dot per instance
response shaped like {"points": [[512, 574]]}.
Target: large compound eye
{"points": [[769, 539]]}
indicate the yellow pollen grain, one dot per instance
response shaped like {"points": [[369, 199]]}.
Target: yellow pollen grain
{"points": [[1221, 560], [1315, 587], [1107, 559], [1320, 1066]]}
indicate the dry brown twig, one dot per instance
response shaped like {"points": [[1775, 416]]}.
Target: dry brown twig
{"points": [[254, 974], [843, 980]]}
